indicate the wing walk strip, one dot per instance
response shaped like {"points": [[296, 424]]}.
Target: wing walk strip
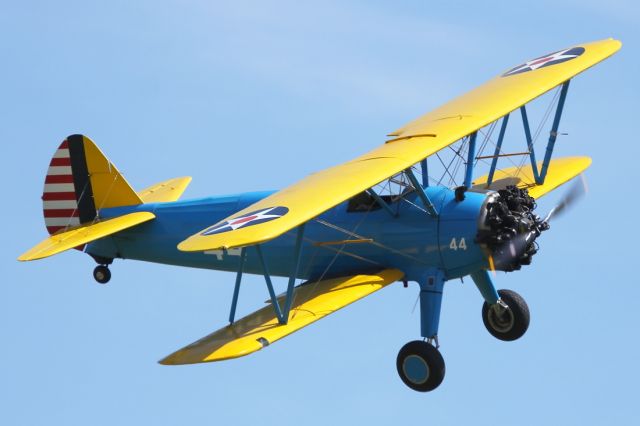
{"points": [[411, 144], [314, 301]]}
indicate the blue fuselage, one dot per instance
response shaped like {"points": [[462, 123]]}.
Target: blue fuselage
{"points": [[412, 240]]}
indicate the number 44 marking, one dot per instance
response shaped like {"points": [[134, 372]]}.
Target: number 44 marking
{"points": [[461, 244]]}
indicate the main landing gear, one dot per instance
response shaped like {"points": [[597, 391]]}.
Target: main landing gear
{"points": [[101, 273], [420, 366], [505, 314], [419, 363], [508, 319]]}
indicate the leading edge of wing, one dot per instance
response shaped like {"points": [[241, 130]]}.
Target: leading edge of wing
{"points": [[302, 201]]}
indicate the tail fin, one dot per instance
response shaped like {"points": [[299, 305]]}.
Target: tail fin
{"points": [[80, 181]]}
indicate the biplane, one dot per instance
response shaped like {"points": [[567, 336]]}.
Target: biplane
{"points": [[348, 231]]}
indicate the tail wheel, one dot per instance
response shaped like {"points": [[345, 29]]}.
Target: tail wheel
{"points": [[102, 274], [420, 366], [508, 320]]}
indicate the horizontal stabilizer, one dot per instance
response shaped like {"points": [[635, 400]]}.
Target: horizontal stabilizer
{"points": [[561, 170], [83, 234], [313, 301], [164, 192]]}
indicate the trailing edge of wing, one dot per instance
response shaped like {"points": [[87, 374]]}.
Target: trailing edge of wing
{"points": [[313, 301], [430, 133], [561, 170], [166, 191], [83, 234]]}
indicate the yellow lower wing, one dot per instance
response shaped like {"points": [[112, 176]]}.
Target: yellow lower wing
{"points": [[561, 170], [84, 234], [169, 190], [313, 301]]}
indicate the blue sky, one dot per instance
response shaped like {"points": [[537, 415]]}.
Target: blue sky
{"points": [[254, 95]]}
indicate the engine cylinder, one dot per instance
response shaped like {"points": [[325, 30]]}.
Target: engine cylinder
{"points": [[509, 227]]}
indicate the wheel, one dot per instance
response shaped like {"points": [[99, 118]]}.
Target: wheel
{"points": [[420, 366], [507, 323], [102, 274]]}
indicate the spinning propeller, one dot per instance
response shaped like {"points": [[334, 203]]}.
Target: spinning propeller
{"points": [[514, 227], [576, 191]]}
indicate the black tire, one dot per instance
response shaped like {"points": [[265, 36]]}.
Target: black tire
{"points": [[513, 322], [420, 366], [102, 274]]}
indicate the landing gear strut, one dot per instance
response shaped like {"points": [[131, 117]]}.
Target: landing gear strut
{"points": [[420, 365]]}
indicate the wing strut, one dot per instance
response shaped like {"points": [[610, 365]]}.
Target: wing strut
{"points": [[527, 134], [382, 202], [496, 155], [424, 167], [468, 176], [236, 289], [554, 132], [282, 314], [539, 174], [294, 274]]}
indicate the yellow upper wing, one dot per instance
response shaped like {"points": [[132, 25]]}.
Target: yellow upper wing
{"points": [[503, 94], [420, 138]]}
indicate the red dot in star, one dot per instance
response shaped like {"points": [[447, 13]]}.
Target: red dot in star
{"points": [[243, 220], [541, 61]]}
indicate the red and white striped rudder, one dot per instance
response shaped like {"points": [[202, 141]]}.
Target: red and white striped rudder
{"points": [[59, 200]]}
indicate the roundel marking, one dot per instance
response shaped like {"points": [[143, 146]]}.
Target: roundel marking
{"points": [[546, 60], [248, 219]]}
